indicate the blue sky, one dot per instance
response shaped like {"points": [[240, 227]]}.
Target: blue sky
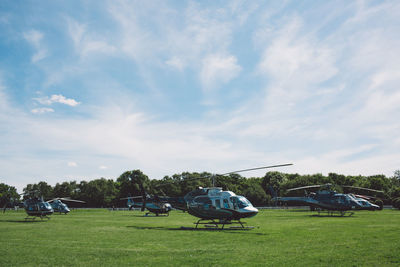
{"points": [[91, 89]]}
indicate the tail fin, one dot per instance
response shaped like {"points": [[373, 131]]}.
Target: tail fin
{"points": [[274, 195], [272, 192], [144, 195]]}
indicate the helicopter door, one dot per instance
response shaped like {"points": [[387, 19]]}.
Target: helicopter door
{"points": [[234, 201], [226, 203], [218, 203]]}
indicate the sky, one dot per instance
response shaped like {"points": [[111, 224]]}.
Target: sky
{"points": [[91, 89]]}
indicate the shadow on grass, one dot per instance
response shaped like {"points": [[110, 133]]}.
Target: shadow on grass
{"points": [[295, 210], [182, 228], [145, 216], [24, 221], [330, 216]]}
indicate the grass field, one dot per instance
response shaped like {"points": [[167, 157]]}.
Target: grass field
{"points": [[126, 238]]}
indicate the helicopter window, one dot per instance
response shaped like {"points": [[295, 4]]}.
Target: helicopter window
{"points": [[337, 199], [218, 203], [203, 200], [243, 202], [226, 204]]}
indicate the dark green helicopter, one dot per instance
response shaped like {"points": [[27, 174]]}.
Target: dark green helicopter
{"points": [[153, 203], [327, 199], [34, 206], [61, 207], [214, 206]]}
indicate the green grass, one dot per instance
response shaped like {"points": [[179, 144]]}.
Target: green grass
{"points": [[126, 238]]}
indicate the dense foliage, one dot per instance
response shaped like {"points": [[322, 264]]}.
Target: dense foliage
{"points": [[259, 190], [8, 194]]}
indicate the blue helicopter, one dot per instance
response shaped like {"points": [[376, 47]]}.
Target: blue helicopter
{"points": [[34, 207], [61, 207], [37, 207], [327, 199]]}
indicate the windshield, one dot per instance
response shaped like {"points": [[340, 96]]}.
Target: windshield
{"points": [[351, 198], [243, 202], [44, 206]]}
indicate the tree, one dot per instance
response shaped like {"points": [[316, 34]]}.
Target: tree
{"points": [[99, 193], [254, 192], [8, 194], [273, 181], [65, 189], [41, 189], [126, 186]]}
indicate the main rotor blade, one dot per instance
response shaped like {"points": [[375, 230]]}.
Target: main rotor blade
{"points": [[304, 187], [211, 175], [363, 188], [67, 199], [131, 197], [259, 168]]}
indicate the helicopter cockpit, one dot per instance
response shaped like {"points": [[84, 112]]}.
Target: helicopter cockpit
{"points": [[45, 206], [241, 202]]}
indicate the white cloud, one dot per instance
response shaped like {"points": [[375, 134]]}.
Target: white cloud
{"points": [[57, 99], [41, 110], [102, 167], [295, 63], [87, 42], [203, 32], [72, 164], [35, 37], [176, 63], [217, 70], [3, 96]]}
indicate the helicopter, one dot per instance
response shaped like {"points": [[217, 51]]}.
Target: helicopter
{"points": [[327, 199], [37, 207], [153, 204], [214, 206], [61, 207], [34, 206]]}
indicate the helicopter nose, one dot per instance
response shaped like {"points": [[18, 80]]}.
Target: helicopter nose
{"points": [[375, 207], [251, 211]]}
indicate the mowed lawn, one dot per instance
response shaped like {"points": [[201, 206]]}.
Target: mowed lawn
{"points": [[127, 238]]}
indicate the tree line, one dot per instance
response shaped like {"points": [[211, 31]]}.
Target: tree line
{"points": [[259, 190]]}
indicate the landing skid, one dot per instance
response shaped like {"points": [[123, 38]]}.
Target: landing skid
{"points": [[212, 224], [336, 212]]}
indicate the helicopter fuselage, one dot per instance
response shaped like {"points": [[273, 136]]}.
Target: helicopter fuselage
{"points": [[214, 203], [330, 200], [37, 207], [156, 207], [60, 207]]}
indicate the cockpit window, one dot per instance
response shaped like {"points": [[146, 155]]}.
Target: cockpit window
{"points": [[242, 202]]}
